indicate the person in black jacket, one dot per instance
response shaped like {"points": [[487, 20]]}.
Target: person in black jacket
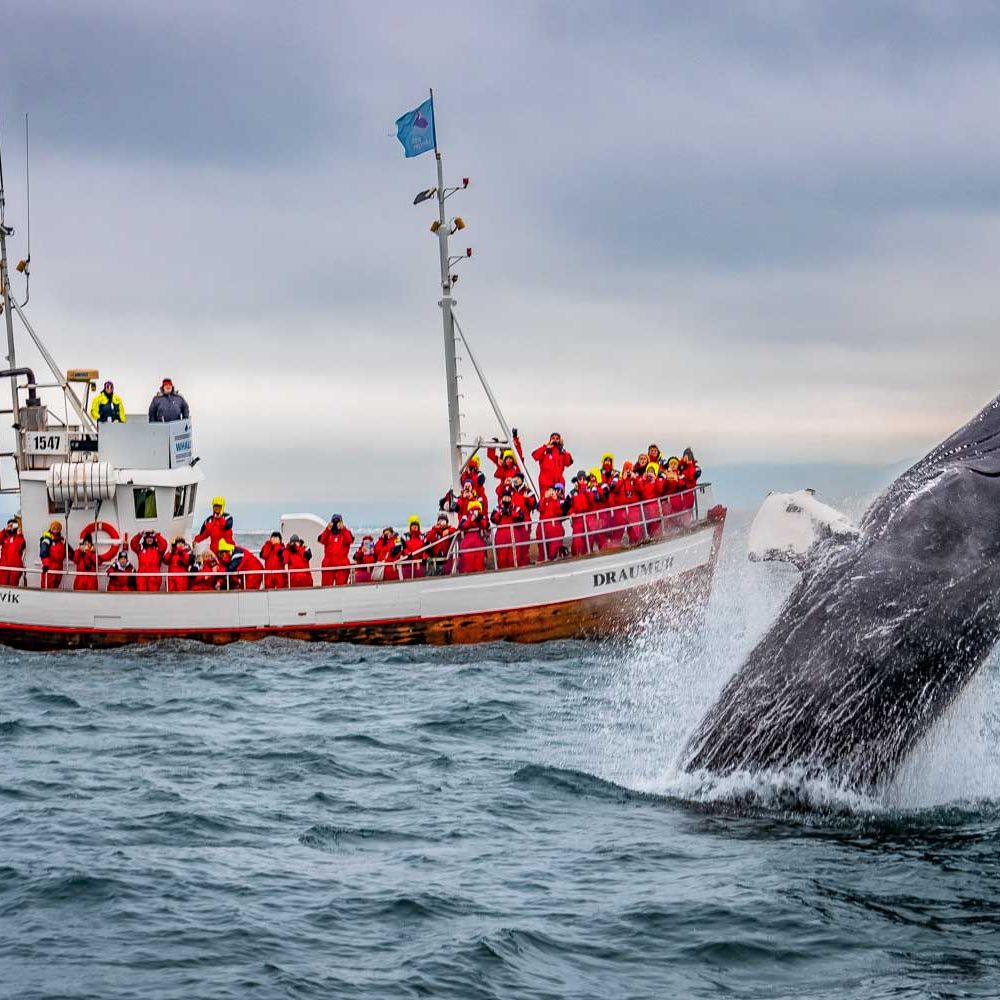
{"points": [[168, 405]]}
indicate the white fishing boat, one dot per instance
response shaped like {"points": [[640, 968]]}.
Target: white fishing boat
{"points": [[115, 481]]}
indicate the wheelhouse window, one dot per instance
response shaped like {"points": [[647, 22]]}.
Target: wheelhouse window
{"points": [[180, 500], [192, 490], [145, 502]]}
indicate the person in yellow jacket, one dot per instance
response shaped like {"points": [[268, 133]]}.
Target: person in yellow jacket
{"points": [[108, 406]]}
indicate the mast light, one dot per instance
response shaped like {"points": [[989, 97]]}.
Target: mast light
{"points": [[435, 226], [459, 223]]}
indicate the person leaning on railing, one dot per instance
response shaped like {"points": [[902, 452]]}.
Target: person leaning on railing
{"points": [[550, 534], [439, 537], [414, 550], [273, 555], [85, 560]]}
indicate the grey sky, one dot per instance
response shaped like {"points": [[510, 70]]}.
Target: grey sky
{"points": [[769, 230]]}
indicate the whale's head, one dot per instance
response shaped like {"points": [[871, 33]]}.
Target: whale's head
{"points": [[944, 512]]}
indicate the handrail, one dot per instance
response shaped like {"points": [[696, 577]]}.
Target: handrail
{"points": [[592, 539]]}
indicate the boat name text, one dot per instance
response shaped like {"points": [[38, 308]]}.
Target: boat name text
{"points": [[655, 567], [9, 597]]}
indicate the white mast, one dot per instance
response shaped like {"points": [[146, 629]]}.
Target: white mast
{"points": [[8, 299]]}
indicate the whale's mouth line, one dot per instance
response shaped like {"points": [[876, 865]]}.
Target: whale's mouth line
{"points": [[987, 475]]}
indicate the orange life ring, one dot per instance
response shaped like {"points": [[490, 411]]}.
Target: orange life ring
{"points": [[107, 529]]}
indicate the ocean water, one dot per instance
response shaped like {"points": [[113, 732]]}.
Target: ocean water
{"points": [[284, 820]]}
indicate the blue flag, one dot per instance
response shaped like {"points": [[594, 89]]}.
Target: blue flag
{"points": [[415, 129]]}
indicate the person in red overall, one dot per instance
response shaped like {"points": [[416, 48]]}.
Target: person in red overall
{"points": [[388, 551], [297, 561], [244, 570], [672, 502], [336, 540], [641, 464], [151, 549], [507, 465], [471, 542], [121, 575], [550, 531], [655, 455], [363, 558], [598, 519], [12, 546], [525, 501], [474, 476], [273, 555], [579, 504], [85, 561], [609, 479], [628, 509], [650, 489], [553, 460], [210, 574], [507, 519], [218, 527], [52, 551], [414, 551], [180, 563], [690, 473], [439, 538]]}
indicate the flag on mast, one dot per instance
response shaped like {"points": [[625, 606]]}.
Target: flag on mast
{"points": [[415, 129]]}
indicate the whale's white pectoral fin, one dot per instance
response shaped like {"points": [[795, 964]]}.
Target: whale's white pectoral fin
{"points": [[788, 525]]}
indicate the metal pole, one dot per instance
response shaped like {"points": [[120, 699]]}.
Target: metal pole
{"points": [[8, 299], [496, 408], [448, 321]]}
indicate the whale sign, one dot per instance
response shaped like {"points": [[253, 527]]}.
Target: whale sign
{"points": [[884, 629]]}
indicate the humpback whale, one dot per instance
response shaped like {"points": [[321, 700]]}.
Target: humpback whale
{"points": [[884, 629]]}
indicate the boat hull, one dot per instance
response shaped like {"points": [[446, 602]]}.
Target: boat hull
{"points": [[592, 597]]}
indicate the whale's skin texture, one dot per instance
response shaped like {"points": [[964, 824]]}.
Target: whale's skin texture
{"points": [[880, 634]]}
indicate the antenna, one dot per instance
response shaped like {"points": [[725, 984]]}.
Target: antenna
{"points": [[23, 266]]}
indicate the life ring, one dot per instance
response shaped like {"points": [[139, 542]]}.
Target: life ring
{"points": [[106, 529]]}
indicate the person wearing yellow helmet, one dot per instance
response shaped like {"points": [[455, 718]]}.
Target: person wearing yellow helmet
{"points": [[650, 488], [507, 464], [472, 529], [217, 527], [414, 550]]}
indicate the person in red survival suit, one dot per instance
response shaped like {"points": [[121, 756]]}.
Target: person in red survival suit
{"points": [[210, 574], [12, 546], [609, 478], [628, 509], [273, 554], [439, 537], [85, 560], [218, 526], [650, 489], [364, 557], [297, 560], [244, 570], [180, 563], [151, 548], [525, 501], [121, 574], [336, 540], [414, 551], [598, 519], [690, 473], [474, 475], [550, 530], [579, 504], [507, 464], [52, 551], [655, 455], [388, 551], [471, 542], [553, 460], [641, 464], [507, 519], [672, 501]]}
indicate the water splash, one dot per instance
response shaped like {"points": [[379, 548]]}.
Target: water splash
{"points": [[663, 680]]}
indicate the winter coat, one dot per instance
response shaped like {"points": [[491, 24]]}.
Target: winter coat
{"points": [[164, 409]]}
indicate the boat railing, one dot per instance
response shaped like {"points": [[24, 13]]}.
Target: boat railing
{"points": [[579, 534]]}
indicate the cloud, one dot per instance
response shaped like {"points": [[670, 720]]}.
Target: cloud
{"points": [[765, 229]]}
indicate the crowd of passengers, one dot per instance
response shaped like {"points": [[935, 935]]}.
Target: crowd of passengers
{"points": [[607, 507]]}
